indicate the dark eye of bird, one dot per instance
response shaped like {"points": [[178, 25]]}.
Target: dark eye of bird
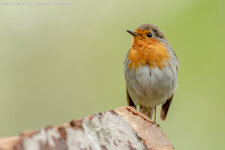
{"points": [[149, 35]]}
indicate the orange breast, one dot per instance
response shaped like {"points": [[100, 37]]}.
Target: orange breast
{"points": [[151, 52]]}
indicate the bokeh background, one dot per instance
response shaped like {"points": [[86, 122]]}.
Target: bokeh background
{"points": [[61, 60]]}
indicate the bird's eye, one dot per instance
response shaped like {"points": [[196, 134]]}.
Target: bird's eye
{"points": [[149, 35]]}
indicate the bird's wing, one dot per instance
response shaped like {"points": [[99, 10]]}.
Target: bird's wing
{"points": [[166, 105], [165, 108]]}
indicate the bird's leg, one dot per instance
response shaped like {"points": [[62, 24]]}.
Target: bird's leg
{"points": [[155, 115], [138, 107]]}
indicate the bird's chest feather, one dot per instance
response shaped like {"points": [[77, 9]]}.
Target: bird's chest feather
{"points": [[153, 54]]}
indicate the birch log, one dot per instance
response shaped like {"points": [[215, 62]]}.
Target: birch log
{"points": [[120, 129]]}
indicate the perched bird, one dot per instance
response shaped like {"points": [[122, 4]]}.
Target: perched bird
{"points": [[150, 69]]}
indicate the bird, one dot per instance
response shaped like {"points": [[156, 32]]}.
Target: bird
{"points": [[150, 69]]}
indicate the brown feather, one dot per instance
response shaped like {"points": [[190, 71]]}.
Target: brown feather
{"points": [[129, 100], [154, 28], [165, 108]]}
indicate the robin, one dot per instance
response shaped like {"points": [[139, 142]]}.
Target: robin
{"points": [[150, 69]]}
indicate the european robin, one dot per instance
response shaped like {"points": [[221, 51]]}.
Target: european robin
{"points": [[150, 69]]}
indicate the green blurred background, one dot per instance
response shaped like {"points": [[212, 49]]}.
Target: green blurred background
{"points": [[64, 61]]}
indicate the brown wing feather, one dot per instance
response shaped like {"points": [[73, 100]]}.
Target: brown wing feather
{"points": [[129, 100], [165, 108]]}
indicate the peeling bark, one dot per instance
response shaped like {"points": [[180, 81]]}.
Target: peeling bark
{"points": [[120, 129]]}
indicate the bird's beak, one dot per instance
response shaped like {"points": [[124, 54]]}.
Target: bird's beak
{"points": [[133, 33]]}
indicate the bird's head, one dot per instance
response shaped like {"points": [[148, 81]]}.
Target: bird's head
{"points": [[146, 34]]}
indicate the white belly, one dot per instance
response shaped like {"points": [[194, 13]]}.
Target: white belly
{"points": [[150, 87]]}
